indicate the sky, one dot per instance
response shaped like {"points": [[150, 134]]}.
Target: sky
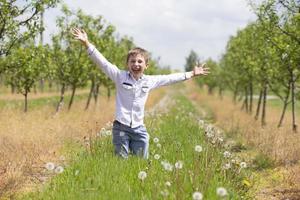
{"points": [[168, 29]]}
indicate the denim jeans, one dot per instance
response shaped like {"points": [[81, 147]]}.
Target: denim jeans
{"points": [[130, 140]]}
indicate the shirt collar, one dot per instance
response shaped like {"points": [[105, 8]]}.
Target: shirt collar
{"points": [[142, 77]]}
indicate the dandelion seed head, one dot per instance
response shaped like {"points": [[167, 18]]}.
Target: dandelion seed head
{"points": [[155, 140], [50, 166], [158, 145], [59, 169], [142, 175], [165, 193], [168, 183], [227, 166], [179, 164], [243, 164], [227, 154], [156, 156], [197, 196], [198, 148], [221, 192]]}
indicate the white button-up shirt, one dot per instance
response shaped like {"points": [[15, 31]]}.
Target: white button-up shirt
{"points": [[131, 94]]}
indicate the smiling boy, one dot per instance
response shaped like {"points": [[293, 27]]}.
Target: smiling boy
{"points": [[132, 90]]}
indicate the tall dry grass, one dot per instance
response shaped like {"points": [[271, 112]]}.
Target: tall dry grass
{"points": [[28, 141], [282, 144]]}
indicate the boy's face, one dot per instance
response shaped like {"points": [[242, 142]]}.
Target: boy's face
{"points": [[136, 65]]}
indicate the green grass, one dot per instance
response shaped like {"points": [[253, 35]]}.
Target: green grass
{"points": [[98, 174]]}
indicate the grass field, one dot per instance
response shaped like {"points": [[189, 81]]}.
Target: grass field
{"points": [[176, 169]]}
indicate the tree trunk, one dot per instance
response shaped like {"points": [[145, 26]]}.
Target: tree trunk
{"points": [[72, 97], [258, 105], [246, 100], [293, 103], [263, 116], [61, 101], [90, 95], [96, 93], [221, 93], [26, 101], [251, 97], [285, 103]]}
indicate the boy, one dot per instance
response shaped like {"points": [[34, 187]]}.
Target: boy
{"points": [[132, 89]]}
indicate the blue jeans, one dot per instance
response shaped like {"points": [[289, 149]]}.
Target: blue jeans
{"points": [[130, 140]]}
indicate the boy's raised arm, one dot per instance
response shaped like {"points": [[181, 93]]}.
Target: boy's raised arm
{"points": [[109, 69]]}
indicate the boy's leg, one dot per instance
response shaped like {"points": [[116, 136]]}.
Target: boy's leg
{"points": [[120, 140], [139, 143]]}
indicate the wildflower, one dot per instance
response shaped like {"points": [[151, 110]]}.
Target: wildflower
{"points": [[221, 192], [156, 156], [227, 166], [227, 154], [168, 183], [59, 169], [201, 123], [142, 175], [50, 166], [155, 140], [164, 193], [220, 139], [167, 166], [158, 145], [197, 196], [198, 148], [243, 164], [246, 182], [108, 132], [178, 164]]}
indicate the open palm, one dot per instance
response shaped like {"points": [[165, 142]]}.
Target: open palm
{"points": [[201, 69], [80, 34]]}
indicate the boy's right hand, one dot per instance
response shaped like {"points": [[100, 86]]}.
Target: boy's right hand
{"points": [[81, 36]]}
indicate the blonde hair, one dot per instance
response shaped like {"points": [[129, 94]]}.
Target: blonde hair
{"points": [[137, 50]]}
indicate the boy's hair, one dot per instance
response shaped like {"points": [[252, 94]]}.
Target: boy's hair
{"points": [[137, 50]]}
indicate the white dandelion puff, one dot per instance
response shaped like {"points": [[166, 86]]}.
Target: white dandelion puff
{"points": [[108, 132], [164, 192], [179, 164], [50, 166], [221, 192], [198, 148], [59, 169], [156, 156], [227, 154], [158, 145], [168, 183], [227, 166], [243, 165], [197, 196], [142, 175], [155, 140]]}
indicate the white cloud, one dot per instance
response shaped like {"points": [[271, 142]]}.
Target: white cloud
{"points": [[168, 28]]}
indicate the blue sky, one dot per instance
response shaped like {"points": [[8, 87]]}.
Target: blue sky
{"points": [[169, 29]]}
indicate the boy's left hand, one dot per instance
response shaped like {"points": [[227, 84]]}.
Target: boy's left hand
{"points": [[201, 69]]}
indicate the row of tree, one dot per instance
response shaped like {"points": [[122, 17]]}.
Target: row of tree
{"points": [[64, 62], [263, 58]]}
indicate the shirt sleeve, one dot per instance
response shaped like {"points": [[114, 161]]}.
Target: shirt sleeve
{"points": [[112, 71], [161, 80]]}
